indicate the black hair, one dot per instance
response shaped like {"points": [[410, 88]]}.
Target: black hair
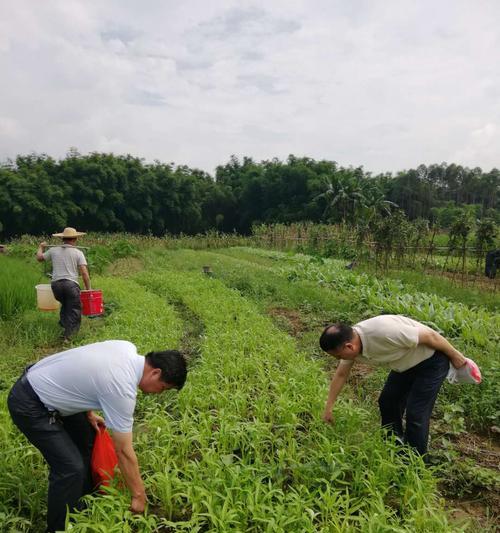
{"points": [[335, 335], [172, 365]]}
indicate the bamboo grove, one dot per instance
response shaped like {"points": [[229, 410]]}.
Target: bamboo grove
{"points": [[110, 193]]}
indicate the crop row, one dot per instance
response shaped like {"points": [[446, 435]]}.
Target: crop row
{"points": [[248, 451], [243, 447], [330, 292], [474, 330], [133, 314]]}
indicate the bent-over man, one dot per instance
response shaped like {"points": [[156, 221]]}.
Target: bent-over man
{"points": [[52, 403], [67, 263], [419, 359]]}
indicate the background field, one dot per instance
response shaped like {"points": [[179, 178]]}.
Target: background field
{"points": [[242, 447]]}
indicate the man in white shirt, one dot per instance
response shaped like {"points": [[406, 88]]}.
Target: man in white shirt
{"points": [[419, 359], [67, 263], [53, 402]]}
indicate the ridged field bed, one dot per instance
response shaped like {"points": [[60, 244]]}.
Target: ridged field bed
{"points": [[242, 448]]}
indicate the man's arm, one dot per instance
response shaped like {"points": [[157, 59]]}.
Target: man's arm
{"points": [[85, 276], [40, 251], [434, 340], [336, 385], [129, 467]]}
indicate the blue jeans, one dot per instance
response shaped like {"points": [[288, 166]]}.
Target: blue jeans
{"points": [[65, 443], [415, 392]]}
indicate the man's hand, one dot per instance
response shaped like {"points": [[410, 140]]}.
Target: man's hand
{"points": [[458, 360], [129, 467], [336, 385], [95, 420], [85, 276], [138, 504], [40, 251], [328, 416]]}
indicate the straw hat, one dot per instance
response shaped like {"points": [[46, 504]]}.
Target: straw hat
{"points": [[69, 233]]}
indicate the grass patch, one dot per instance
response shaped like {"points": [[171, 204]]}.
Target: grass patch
{"points": [[17, 285]]}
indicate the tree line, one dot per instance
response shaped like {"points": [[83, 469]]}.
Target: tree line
{"points": [[110, 193]]}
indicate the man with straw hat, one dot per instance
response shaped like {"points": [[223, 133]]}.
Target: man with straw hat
{"points": [[67, 263]]}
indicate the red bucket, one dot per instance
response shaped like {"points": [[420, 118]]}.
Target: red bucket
{"points": [[92, 303]]}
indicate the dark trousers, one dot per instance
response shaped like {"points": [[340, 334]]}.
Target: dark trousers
{"points": [[415, 392], [492, 263], [68, 293], [66, 444]]}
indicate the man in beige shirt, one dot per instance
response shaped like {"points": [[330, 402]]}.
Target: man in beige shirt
{"points": [[419, 359]]}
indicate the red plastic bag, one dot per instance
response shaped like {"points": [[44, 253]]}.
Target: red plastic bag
{"points": [[104, 461]]}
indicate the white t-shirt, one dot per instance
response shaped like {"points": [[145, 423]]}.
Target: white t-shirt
{"points": [[103, 375], [66, 260], [391, 340]]}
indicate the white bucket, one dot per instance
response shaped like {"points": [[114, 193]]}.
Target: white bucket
{"points": [[45, 298]]}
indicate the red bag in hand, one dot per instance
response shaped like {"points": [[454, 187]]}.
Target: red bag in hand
{"points": [[104, 460]]}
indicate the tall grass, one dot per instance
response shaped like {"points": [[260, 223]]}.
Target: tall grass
{"points": [[17, 286]]}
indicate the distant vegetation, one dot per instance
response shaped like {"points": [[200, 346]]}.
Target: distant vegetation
{"points": [[109, 193]]}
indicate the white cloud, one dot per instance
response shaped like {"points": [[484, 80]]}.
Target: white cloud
{"points": [[10, 127], [487, 132], [384, 84]]}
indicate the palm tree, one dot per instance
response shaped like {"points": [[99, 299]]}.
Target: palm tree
{"points": [[342, 191]]}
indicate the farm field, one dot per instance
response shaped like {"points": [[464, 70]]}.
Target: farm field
{"points": [[242, 447]]}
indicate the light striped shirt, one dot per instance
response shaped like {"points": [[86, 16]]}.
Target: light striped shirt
{"points": [[66, 260]]}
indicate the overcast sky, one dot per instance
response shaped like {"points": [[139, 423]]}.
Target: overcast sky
{"points": [[386, 84]]}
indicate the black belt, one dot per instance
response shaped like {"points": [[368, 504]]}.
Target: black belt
{"points": [[54, 416]]}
